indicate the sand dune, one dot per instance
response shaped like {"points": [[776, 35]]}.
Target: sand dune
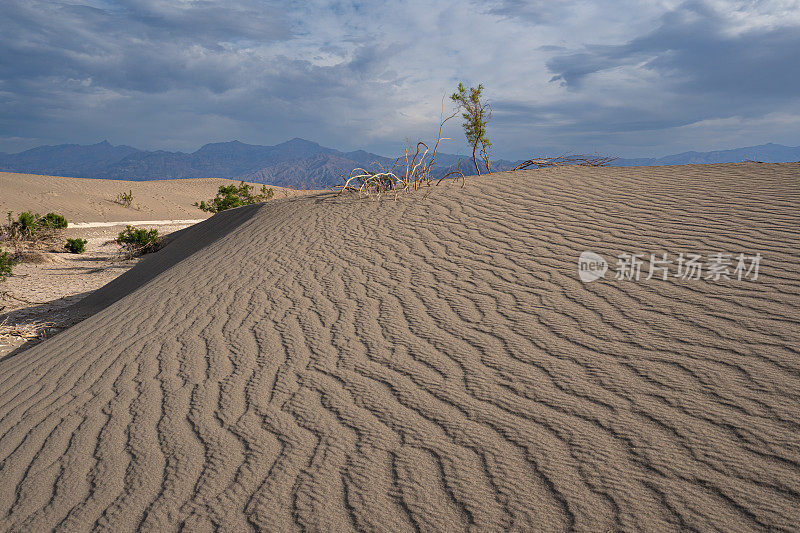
{"points": [[334, 364], [92, 200]]}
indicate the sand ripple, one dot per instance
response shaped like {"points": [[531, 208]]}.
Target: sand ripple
{"points": [[434, 365]]}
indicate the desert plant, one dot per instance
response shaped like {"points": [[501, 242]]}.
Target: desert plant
{"points": [[52, 221], [125, 198], [30, 231], [564, 160], [476, 115], [414, 174], [137, 241], [230, 196], [26, 224], [28, 331], [75, 246], [6, 263]]}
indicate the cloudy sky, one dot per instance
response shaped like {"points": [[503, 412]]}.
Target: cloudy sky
{"points": [[615, 76]]}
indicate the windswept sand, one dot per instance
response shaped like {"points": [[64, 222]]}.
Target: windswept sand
{"points": [[40, 294], [43, 293], [335, 364], [92, 200]]}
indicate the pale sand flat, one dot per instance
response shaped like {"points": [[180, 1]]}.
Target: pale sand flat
{"points": [[92, 200], [86, 225], [334, 364]]}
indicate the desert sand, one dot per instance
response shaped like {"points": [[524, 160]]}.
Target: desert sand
{"points": [[37, 301], [92, 200], [330, 363]]}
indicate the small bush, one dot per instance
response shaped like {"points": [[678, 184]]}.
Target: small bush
{"points": [[6, 262], [75, 246], [137, 241], [27, 219], [53, 220], [125, 198], [28, 224], [230, 196]]}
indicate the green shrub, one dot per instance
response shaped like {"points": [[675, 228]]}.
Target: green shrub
{"points": [[28, 224], [75, 246], [53, 220], [138, 241], [230, 196], [6, 262]]}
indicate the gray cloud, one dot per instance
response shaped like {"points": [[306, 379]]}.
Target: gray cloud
{"points": [[535, 12], [696, 70], [174, 75], [140, 64], [691, 52], [130, 46]]}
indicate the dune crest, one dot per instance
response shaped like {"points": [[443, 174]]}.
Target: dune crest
{"points": [[435, 364]]}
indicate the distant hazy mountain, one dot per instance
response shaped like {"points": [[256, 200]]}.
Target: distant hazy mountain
{"points": [[766, 153], [296, 163], [66, 159]]}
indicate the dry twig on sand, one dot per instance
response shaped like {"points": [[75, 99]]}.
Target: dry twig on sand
{"points": [[409, 177], [27, 331], [575, 159]]}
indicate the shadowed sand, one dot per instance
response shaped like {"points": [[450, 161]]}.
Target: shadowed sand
{"points": [[329, 363]]}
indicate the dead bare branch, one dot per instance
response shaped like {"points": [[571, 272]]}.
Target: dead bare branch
{"points": [[583, 160], [28, 331], [416, 172]]}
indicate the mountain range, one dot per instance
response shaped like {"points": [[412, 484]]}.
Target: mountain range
{"points": [[764, 153], [295, 163]]}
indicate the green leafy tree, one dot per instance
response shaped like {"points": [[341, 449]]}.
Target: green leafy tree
{"points": [[476, 115], [230, 196]]}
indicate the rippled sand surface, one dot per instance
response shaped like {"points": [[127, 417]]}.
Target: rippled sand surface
{"points": [[321, 363]]}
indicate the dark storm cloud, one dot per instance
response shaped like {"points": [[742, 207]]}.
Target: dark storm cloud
{"points": [[77, 67], [130, 45], [177, 74], [692, 68], [695, 53]]}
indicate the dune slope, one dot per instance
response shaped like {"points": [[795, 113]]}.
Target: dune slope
{"points": [[92, 200], [325, 363]]}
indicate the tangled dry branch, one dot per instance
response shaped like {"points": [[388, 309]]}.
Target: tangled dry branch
{"points": [[575, 159], [28, 331], [409, 177]]}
